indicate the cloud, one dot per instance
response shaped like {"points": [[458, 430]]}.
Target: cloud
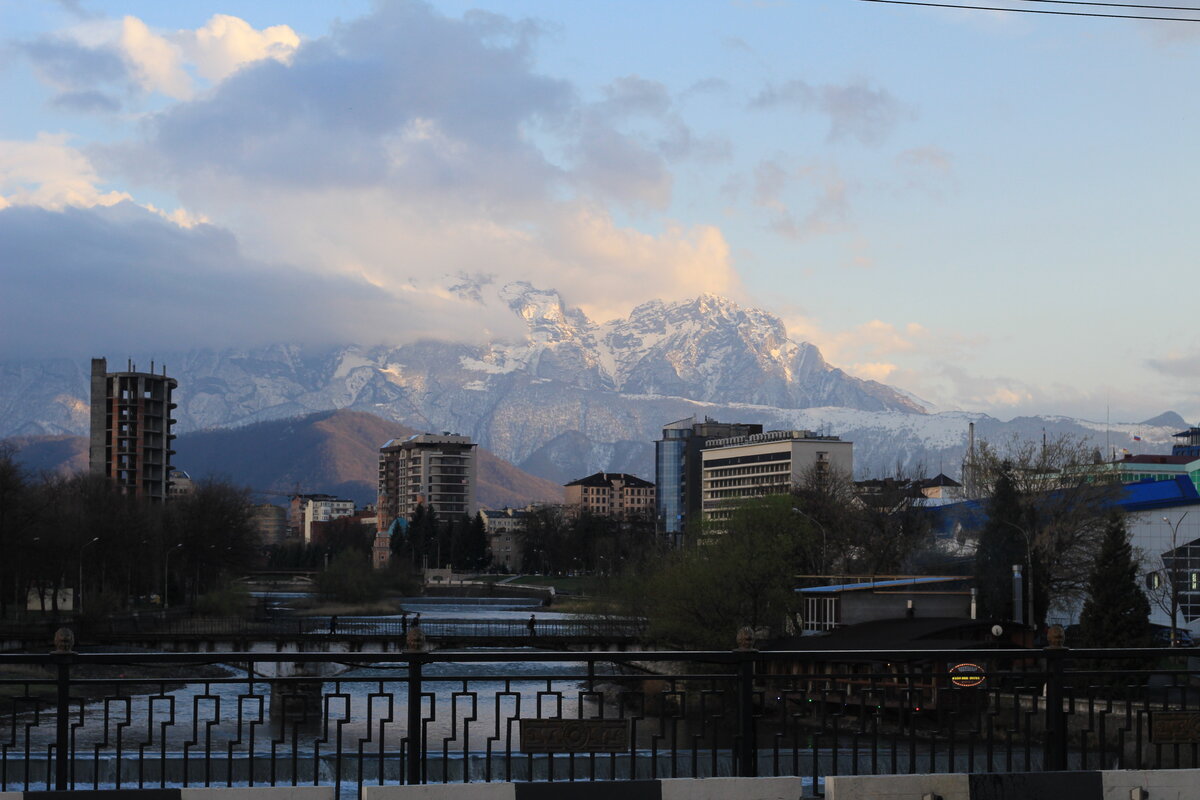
{"points": [[155, 63], [227, 43], [855, 110], [1177, 365], [407, 149], [96, 61], [49, 173], [138, 283], [87, 102], [821, 190]]}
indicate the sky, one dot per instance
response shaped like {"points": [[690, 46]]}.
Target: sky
{"points": [[989, 210]]}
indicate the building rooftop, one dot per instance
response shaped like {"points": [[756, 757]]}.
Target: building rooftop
{"points": [[609, 478], [889, 583], [1155, 458]]}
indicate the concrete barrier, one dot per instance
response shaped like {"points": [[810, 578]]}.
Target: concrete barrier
{"points": [[204, 793], [671, 789], [951, 786], [1157, 784]]}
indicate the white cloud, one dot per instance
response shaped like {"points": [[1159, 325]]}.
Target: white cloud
{"points": [[96, 62], [49, 173], [438, 151], [155, 63], [227, 43]]}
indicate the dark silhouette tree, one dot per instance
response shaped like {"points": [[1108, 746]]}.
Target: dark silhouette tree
{"points": [[473, 549], [1001, 545], [1116, 612]]}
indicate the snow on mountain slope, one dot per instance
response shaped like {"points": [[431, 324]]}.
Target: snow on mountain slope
{"points": [[568, 398]]}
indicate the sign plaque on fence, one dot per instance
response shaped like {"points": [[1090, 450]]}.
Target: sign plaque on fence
{"points": [[574, 735], [1175, 727], [968, 676]]}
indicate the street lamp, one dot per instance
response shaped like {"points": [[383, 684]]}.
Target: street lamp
{"points": [[81, 549], [166, 575], [1173, 575], [1028, 588], [824, 536]]}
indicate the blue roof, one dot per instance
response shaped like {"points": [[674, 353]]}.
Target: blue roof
{"points": [[1152, 494], [1147, 495], [891, 583]]}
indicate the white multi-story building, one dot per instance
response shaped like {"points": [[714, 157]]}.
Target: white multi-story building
{"points": [[742, 467], [305, 509]]}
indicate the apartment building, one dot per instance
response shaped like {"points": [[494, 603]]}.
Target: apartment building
{"points": [[742, 467], [436, 470], [610, 494], [306, 509]]}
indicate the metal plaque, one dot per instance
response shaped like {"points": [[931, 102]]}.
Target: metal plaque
{"points": [[1175, 727], [574, 735]]}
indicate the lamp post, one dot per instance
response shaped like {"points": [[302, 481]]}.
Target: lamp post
{"points": [[81, 549], [1173, 575], [824, 536], [1028, 588], [166, 575]]}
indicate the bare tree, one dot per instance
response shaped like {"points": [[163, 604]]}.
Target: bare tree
{"points": [[1065, 494]]}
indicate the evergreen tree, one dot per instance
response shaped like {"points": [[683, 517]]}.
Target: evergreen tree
{"points": [[1001, 544], [1116, 613], [474, 546]]}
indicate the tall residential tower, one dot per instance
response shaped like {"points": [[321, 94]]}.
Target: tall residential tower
{"points": [[437, 471], [131, 429]]}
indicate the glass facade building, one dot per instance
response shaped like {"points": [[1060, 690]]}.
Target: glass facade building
{"points": [[677, 468]]}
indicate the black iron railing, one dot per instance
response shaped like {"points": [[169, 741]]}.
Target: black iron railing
{"points": [[123, 720]]}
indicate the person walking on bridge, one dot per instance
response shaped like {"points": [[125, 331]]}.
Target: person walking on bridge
{"points": [[531, 626]]}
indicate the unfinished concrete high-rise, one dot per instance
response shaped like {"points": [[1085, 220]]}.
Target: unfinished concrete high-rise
{"points": [[131, 429]]}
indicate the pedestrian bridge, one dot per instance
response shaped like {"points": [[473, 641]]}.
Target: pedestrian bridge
{"points": [[338, 634]]}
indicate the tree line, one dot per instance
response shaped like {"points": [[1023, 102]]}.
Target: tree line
{"points": [[80, 532]]}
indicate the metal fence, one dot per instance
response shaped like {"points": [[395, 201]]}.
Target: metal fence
{"points": [[344, 627], [121, 720]]}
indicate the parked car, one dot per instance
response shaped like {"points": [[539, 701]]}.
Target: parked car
{"points": [[1162, 636]]}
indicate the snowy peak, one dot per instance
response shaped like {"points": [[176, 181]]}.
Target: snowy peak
{"points": [[549, 320], [708, 348]]}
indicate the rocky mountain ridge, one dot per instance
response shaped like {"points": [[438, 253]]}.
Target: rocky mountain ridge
{"points": [[568, 397]]}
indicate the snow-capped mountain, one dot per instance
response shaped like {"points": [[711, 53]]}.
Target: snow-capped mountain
{"points": [[567, 398]]}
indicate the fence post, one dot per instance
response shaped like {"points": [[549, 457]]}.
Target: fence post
{"points": [[747, 751], [415, 646], [1055, 752], [64, 643]]}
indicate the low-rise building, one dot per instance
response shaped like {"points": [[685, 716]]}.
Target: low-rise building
{"points": [[305, 509], [504, 529], [611, 494]]}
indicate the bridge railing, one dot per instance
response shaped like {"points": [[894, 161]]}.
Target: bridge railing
{"points": [[344, 627], [125, 720]]}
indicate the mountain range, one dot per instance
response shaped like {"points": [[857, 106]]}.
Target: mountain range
{"points": [[567, 397], [332, 451]]}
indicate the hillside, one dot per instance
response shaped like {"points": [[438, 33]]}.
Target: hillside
{"points": [[334, 451]]}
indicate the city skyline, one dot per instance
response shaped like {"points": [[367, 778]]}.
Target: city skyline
{"points": [[980, 208]]}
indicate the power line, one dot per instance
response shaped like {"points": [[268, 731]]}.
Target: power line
{"points": [[1115, 5], [1039, 10]]}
